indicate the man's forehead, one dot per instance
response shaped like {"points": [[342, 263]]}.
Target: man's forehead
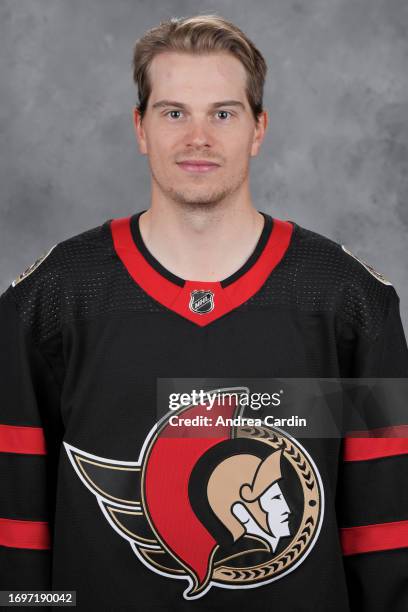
{"points": [[213, 104], [187, 72]]}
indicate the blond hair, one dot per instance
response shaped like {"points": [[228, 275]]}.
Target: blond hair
{"points": [[200, 34]]}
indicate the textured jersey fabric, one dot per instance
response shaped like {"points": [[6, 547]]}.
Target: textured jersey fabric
{"points": [[100, 497]]}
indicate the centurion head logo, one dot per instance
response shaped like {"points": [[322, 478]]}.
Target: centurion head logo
{"points": [[231, 507]]}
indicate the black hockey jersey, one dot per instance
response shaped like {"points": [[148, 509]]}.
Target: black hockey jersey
{"points": [[135, 502]]}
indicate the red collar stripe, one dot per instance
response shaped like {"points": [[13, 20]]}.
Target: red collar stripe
{"points": [[178, 298]]}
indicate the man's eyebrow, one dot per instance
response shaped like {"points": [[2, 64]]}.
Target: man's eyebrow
{"points": [[162, 103]]}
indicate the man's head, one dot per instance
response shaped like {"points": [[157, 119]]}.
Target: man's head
{"points": [[200, 83]]}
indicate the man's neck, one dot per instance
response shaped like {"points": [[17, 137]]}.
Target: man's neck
{"points": [[201, 244]]}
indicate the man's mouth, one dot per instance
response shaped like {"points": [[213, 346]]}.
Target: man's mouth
{"points": [[190, 165]]}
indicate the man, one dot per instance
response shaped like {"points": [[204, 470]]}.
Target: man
{"points": [[101, 494]]}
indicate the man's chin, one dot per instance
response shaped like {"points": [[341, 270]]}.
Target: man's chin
{"points": [[199, 198]]}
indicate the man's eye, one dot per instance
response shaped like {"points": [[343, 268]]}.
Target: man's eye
{"points": [[175, 114], [172, 112]]}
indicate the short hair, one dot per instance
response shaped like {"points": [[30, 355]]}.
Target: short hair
{"points": [[199, 34]]}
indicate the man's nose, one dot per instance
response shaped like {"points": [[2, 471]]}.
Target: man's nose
{"points": [[198, 133]]}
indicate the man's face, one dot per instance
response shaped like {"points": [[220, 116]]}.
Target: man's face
{"points": [[198, 111]]}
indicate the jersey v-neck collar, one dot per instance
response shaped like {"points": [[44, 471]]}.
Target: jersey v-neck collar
{"points": [[138, 239], [201, 302]]}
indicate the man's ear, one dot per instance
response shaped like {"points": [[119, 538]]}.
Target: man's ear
{"points": [[139, 131], [259, 132]]}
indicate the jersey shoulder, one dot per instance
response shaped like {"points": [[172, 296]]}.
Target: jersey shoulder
{"points": [[319, 275], [357, 293], [43, 291], [79, 278], [339, 259]]}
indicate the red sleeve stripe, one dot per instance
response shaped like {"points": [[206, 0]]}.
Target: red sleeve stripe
{"points": [[362, 449], [371, 538], [26, 440], [24, 534], [392, 431]]}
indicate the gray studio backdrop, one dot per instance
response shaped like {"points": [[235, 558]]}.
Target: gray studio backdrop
{"points": [[335, 158]]}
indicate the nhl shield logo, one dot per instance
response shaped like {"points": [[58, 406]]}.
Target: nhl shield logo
{"points": [[235, 510], [201, 301]]}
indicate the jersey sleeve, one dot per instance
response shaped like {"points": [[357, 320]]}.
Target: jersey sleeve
{"points": [[372, 496], [28, 459]]}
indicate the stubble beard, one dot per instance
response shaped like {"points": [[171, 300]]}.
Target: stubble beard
{"points": [[209, 199]]}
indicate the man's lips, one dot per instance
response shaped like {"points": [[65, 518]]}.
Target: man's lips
{"points": [[190, 165]]}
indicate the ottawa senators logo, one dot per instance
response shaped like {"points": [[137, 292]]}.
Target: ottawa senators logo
{"points": [[369, 268], [32, 267], [232, 507]]}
